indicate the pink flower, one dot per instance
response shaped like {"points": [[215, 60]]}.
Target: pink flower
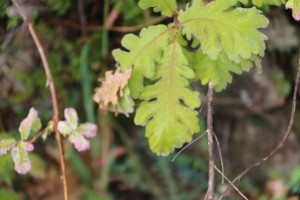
{"points": [[77, 134]]}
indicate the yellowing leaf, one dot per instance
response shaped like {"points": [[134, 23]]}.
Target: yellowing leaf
{"points": [[166, 7], [295, 6], [219, 28], [168, 107], [112, 88], [218, 72], [143, 52]]}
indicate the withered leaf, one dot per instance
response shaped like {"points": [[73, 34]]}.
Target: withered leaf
{"points": [[111, 89]]}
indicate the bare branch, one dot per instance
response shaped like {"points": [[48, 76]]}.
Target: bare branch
{"points": [[51, 86], [220, 155], [121, 29], [210, 133], [282, 141], [189, 144], [232, 185]]}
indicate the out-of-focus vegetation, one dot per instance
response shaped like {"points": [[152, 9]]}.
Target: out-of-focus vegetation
{"points": [[78, 37]]}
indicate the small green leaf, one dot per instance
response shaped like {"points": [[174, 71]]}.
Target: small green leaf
{"points": [[221, 28], [143, 52], [168, 107], [6, 145], [166, 7]]}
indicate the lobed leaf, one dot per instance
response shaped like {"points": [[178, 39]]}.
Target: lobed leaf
{"points": [[6, 145], [143, 52], [218, 71], [295, 6], [166, 7], [112, 89], [221, 28], [168, 107]]}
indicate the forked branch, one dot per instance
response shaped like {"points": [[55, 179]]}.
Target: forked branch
{"points": [[282, 141]]}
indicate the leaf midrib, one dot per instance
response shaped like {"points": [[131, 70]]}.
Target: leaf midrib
{"points": [[131, 63], [216, 21]]}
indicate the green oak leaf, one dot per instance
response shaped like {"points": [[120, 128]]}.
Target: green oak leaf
{"points": [[168, 107], [221, 28], [218, 71], [143, 52], [166, 7]]}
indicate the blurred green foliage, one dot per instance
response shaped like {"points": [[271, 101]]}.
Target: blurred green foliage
{"points": [[283, 85], [76, 64], [3, 7], [135, 16], [60, 7], [294, 182], [7, 172], [8, 194]]}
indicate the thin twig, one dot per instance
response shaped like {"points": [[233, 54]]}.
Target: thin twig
{"points": [[51, 86], [82, 19], [210, 133], [121, 29], [282, 141], [36, 136], [232, 185], [220, 155], [189, 144]]}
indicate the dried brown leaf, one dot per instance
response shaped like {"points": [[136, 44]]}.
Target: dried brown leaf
{"points": [[111, 89]]}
